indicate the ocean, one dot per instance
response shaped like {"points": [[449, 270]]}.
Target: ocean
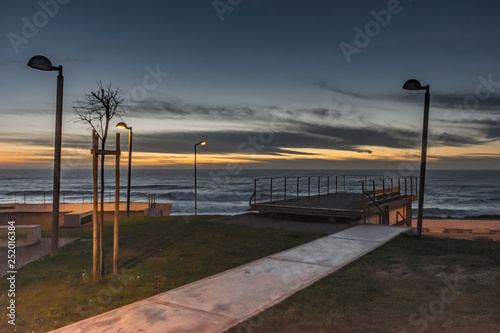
{"points": [[448, 194]]}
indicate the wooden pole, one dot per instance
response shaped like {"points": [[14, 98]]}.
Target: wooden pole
{"points": [[117, 206], [95, 253]]}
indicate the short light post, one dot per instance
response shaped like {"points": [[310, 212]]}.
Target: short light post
{"points": [[202, 143], [42, 63], [122, 125], [415, 85]]}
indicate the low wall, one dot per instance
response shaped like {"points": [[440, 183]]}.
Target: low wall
{"points": [[450, 224], [42, 213], [68, 207]]}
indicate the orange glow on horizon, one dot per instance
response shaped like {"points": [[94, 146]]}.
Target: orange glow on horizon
{"points": [[16, 155]]}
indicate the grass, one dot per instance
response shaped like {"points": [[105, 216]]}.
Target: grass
{"points": [[408, 285], [156, 255]]}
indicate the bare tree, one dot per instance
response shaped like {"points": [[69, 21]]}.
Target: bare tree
{"points": [[97, 109]]}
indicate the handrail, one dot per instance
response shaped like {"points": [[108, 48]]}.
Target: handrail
{"points": [[376, 205], [252, 197], [398, 213]]}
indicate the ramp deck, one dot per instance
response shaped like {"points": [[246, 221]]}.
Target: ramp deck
{"points": [[359, 199]]}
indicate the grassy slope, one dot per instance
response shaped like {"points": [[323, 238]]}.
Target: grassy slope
{"points": [[157, 254], [403, 286]]}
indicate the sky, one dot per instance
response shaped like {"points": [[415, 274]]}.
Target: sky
{"points": [[269, 84]]}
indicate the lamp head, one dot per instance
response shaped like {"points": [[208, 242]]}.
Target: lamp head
{"points": [[202, 143], [413, 85], [41, 63], [122, 125]]}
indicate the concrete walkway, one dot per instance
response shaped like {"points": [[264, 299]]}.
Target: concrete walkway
{"points": [[220, 302]]}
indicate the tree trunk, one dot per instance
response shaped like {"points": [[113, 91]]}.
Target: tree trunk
{"points": [[95, 202], [101, 220]]}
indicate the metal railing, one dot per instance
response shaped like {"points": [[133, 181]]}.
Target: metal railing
{"points": [[284, 188], [30, 198], [386, 194]]}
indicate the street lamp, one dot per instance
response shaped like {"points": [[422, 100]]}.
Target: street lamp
{"points": [[415, 85], [124, 126], [44, 64], [195, 187]]}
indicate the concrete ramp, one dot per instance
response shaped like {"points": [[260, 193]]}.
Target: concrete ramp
{"points": [[219, 302]]}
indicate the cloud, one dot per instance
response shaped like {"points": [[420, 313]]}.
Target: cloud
{"points": [[327, 86], [468, 102], [486, 130], [453, 140], [272, 130], [279, 141], [176, 108]]}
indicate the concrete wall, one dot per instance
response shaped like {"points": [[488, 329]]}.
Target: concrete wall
{"points": [[42, 213], [68, 207], [459, 224]]}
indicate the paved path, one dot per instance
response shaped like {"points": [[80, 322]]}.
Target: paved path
{"points": [[219, 302]]}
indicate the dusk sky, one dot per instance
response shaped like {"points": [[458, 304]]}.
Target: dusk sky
{"points": [[268, 84]]}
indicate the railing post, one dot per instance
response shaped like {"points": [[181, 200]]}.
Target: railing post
{"points": [[328, 185], [406, 193], [383, 190], [336, 184], [364, 200], [309, 186], [298, 185], [271, 191], [344, 183], [255, 191], [285, 188], [319, 185]]}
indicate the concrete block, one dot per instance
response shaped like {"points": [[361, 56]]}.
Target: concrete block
{"points": [[33, 232], [437, 230], [76, 219], [480, 231]]}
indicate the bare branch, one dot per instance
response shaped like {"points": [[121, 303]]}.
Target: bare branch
{"points": [[98, 108]]}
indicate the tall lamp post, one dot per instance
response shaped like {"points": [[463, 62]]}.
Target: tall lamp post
{"points": [[415, 85], [124, 126], [195, 180], [42, 63]]}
